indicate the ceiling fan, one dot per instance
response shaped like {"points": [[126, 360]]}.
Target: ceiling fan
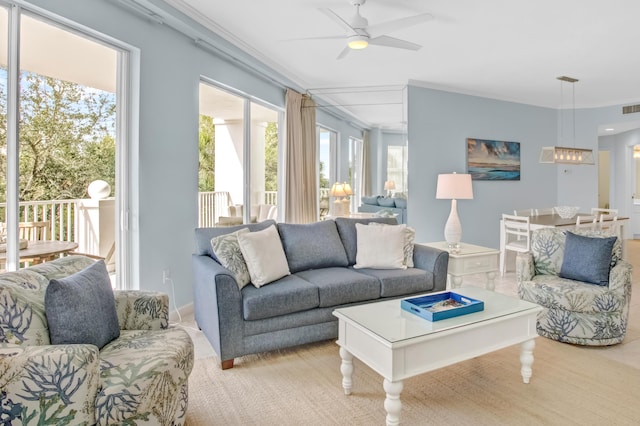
{"points": [[359, 34]]}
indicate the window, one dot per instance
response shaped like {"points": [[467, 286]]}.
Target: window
{"points": [[236, 132], [356, 166], [397, 167], [327, 140], [60, 133]]}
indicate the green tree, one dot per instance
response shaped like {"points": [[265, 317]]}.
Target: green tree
{"points": [[271, 157], [66, 138], [207, 154]]}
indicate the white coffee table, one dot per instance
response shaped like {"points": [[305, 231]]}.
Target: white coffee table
{"points": [[398, 344]]}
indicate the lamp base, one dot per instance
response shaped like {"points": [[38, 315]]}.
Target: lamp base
{"points": [[453, 229]]}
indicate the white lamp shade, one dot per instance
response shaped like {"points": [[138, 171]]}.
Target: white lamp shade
{"points": [[454, 186], [389, 185], [337, 190], [347, 189]]}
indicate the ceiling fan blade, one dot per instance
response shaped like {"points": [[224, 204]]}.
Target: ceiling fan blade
{"points": [[397, 24], [394, 42], [338, 20], [344, 52]]}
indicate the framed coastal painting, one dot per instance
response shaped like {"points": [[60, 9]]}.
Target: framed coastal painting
{"points": [[493, 160]]}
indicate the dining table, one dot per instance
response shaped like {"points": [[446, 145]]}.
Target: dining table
{"points": [[42, 251], [555, 221]]}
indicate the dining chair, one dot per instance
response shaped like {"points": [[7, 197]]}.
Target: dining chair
{"points": [[608, 212], [609, 223], [524, 212], [516, 236], [33, 231], [586, 221], [548, 210]]}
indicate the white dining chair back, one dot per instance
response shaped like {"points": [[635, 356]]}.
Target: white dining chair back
{"points": [[548, 210], [515, 235], [524, 212], [586, 221], [596, 211], [609, 223]]}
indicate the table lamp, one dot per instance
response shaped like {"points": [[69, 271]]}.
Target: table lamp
{"points": [[346, 203], [455, 187], [389, 186], [337, 191]]}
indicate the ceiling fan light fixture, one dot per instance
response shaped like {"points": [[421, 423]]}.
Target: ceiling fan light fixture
{"points": [[358, 42]]}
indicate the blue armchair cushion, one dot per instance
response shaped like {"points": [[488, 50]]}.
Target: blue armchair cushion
{"points": [[81, 308], [587, 259], [312, 246]]}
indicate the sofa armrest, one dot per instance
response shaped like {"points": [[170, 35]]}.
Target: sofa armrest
{"points": [[525, 267], [620, 278], [54, 384], [432, 260], [218, 306], [142, 310]]}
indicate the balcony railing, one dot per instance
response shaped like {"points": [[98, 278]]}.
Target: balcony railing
{"points": [[61, 215]]}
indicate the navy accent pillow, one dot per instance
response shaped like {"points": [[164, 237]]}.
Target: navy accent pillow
{"points": [[587, 259], [81, 308], [312, 245]]}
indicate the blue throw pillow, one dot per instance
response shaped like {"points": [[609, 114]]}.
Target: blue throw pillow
{"points": [[587, 259], [81, 308]]}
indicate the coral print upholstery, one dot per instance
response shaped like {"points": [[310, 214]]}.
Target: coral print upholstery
{"points": [[139, 378], [587, 312]]}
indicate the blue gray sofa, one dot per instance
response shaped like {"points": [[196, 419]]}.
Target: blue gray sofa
{"points": [[385, 206], [297, 309]]}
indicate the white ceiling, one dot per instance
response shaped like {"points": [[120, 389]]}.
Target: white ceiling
{"points": [[502, 49]]}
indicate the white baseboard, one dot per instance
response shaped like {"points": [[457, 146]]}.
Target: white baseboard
{"points": [[184, 311]]}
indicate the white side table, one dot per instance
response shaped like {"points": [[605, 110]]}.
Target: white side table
{"points": [[471, 259]]}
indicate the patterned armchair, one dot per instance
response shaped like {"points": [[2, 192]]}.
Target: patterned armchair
{"points": [[575, 312], [139, 378]]}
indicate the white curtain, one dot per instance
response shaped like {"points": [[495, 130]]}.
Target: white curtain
{"points": [[301, 196]]}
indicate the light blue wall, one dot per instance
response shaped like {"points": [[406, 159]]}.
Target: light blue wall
{"points": [[439, 124], [171, 66]]}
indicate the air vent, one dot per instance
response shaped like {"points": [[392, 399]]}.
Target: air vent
{"points": [[630, 109]]}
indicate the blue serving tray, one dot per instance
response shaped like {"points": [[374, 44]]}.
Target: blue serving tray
{"points": [[423, 306]]}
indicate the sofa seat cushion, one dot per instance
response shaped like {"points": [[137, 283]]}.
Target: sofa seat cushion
{"points": [[312, 245], [141, 370], [287, 295], [552, 291], [337, 286], [398, 282]]}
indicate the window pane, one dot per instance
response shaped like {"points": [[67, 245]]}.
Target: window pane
{"points": [[264, 162], [397, 167]]}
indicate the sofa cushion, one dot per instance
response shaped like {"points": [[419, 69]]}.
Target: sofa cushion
{"points": [[140, 375], [587, 259], [337, 286], [312, 246], [380, 247], [227, 250], [400, 203], [264, 255], [203, 236], [347, 230], [22, 297], [398, 282], [287, 295], [386, 202], [370, 200], [81, 308]]}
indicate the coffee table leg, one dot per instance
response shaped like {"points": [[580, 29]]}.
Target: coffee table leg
{"points": [[392, 403], [526, 359], [491, 284], [346, 368]]}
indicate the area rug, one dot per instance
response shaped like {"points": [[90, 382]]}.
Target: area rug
{"points": [[302, 386]]}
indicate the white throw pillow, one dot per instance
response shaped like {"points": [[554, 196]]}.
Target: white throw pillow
{"points": [[380, 247], [264, 255], [409, 239]]}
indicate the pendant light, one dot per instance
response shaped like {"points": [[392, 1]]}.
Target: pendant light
{"points": [[567, 155]]}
